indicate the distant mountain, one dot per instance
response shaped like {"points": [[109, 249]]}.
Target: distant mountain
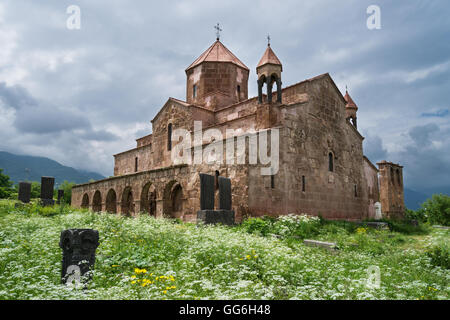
{"points": [[30, 168], [414, 199]]}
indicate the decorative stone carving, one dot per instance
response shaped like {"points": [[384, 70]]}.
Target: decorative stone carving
{"points": [[78, 247]]}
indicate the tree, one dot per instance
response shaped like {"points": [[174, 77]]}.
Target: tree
{"points": [[437, 209], [35, 190], [67, 187], [5, 185]]}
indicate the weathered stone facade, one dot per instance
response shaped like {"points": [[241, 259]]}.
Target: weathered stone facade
{"points": [[322, 169]]}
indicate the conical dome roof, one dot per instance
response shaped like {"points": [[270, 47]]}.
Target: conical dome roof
{"points": [[350, 103], [269, 57], [217, 52]]}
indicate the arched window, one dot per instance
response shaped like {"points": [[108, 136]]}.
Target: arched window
{"points": [[169, 137], [238, 89], [135, 164], [330, 162], [194, 91]]}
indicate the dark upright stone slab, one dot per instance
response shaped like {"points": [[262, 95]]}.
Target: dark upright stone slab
{"points": [[225, 217], [47, 184], [24, 192], [224, 193], [78, 247], [206, 192], [60, 196]]}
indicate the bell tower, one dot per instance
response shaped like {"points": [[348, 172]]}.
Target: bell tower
{"points": [[391, 189], [269, 72], [350, 109]]}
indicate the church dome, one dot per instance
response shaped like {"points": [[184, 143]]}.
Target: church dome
{"points": [[217, 52]]}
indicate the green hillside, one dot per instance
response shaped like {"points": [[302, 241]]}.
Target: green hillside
{"points": [[30, 168]]}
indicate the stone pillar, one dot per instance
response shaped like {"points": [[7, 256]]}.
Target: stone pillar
{"points": [[260, 85], [279, 90], [137, 207], [159, 208], [269, 90]]}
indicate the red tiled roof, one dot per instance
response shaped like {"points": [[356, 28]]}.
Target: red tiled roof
{"points": [[350, 103], [217, 52], [269, 57]]}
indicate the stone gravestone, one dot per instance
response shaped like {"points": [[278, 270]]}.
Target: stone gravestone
{"points": [[47, 184], [78, 247], [207, 214], [224, 193], [24, 192], [378, 214], [60, 196], [206, 192]]}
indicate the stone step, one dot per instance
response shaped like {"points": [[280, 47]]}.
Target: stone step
{"points": [[322, 244]]}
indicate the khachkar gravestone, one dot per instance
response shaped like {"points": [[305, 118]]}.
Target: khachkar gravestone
{"points": [[60, 196], [24, 192], [47, 184], [207, 214], [78, 247]]}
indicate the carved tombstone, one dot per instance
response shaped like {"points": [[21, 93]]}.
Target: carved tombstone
{"points": [[47, 184], [206, 192], [224, 193], [60, 196], [207, 214], [378, 214], [24, 192], [78, 247]]}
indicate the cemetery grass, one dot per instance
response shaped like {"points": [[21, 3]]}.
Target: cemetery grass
{"points": [[147, 258]]}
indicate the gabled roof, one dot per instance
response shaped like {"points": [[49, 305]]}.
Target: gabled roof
{"points": [[350, 103], [217, 52], [269, 57]]}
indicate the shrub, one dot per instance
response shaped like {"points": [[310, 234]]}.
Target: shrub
{"points": [[261, 226], [440, 255]]}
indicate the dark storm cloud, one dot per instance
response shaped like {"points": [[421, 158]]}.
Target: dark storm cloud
{"points": [[427, 156], [15, 97], [106, 81], [374, 149], [421, 135]]}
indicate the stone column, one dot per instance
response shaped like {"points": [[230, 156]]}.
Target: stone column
{"points": [[279, 90], [137, 207], [260, 85], [159, 208], [119, 208], [269, 91]]}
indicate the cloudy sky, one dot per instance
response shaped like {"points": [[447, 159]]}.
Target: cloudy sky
{"points": [[80, 96]]}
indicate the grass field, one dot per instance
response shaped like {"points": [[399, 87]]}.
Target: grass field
{"points": [[147, 258]]}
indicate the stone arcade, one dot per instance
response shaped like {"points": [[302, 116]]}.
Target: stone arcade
{"points": [[322, 168]]}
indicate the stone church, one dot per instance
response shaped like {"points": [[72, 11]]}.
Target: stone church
{"points": [[322, 167]]}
